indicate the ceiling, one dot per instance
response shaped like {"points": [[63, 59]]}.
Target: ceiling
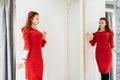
{"points": [[111, 2]]}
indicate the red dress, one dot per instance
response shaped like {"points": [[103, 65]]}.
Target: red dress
{"points": [[104, 41], [34, 62]]}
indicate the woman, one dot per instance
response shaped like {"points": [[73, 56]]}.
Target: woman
{"points": [[103, 39], [34, 40]]}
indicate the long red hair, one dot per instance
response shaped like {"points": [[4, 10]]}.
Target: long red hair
{"points": [[28, 23], [107, 27]]}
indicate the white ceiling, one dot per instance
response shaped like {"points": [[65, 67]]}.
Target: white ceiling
{"points": [[109, 0]]}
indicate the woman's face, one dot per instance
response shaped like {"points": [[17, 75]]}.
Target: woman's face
{"points": [[35, 20], [102, 24]]}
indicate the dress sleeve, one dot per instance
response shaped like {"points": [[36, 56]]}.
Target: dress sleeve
{"points": [[111, 40], [26, 40], [93, 41], [43, 42]]}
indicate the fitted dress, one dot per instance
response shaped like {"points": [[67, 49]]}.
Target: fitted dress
{"points": [[104, 44], [34, 63]]}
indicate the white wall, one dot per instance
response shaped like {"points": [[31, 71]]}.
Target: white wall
{"points": [[52, 20], [74, 40], [94, 9]]}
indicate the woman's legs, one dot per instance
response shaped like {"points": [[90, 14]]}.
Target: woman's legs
{"points": [[105, 76]]}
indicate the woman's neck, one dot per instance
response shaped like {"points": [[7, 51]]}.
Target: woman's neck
{"points": [[34, 26], [102, 30]]}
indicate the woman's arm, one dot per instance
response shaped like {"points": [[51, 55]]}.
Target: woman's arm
{"points": [[25, 54], [91, 40], [26, 39], [44, 39], [111, 41], [23, 58]]}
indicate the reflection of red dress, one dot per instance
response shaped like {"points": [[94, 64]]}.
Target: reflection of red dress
{"points": [[34, 62], [104, 42]]}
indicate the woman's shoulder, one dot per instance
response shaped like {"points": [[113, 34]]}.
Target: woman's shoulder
{"points": [[94, 33], [97, 33], [24, 29], [111, 33]]}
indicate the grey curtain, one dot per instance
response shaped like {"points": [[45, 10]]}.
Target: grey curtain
{"points": [[110, 17], [7, 57]]}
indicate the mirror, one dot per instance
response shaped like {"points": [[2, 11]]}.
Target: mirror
{"points": [[94, 10]]}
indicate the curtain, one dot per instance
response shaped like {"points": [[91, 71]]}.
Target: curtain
{"points": [[110, 17], [7, 57]]}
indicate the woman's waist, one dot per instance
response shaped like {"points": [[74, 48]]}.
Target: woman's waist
{"points": [[35, 56], [36, 48], [103, 45]]}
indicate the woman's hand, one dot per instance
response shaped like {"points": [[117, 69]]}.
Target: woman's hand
{"points": [[21, 65], [44, 35], [114, 50], [24, 57], [89, 36]]}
